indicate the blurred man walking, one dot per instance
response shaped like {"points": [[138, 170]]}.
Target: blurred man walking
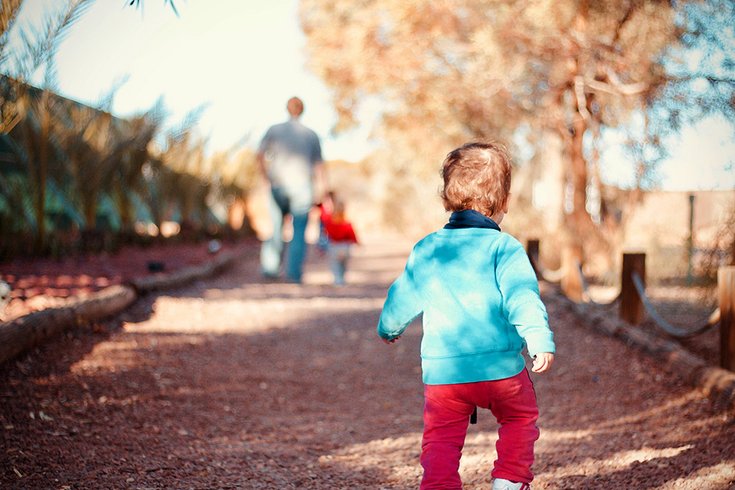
{"points": [[290, 157]]}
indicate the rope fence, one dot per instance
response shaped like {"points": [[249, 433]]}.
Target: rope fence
{"points": [[660, 322], [634, 303], [587, 295]]}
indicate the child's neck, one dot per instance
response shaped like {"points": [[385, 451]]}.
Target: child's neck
{"points": [[498, 217]]}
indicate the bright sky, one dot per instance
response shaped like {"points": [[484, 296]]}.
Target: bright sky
{"points": [[701, 157], [244, 59]]}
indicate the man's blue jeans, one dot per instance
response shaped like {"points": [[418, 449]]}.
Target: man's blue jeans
{"points": [[284, 202]]}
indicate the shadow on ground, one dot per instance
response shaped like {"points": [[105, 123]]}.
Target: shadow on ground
{"points": [[237, 383]]}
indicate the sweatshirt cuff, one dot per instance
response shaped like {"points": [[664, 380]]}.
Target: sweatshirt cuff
{"points": [[540, 344], [385, 335]]}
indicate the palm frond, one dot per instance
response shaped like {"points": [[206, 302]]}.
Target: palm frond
{"points": [[37, 46], [105, 102], [185, 126], [8, 15], [67, 205], [60, 26], [16, 191], [138, 4]]}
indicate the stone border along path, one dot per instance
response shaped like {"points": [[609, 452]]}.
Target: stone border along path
{"points": [[28, 331]]}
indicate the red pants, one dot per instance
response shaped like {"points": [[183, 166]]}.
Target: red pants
{"points": [[447, 409]]}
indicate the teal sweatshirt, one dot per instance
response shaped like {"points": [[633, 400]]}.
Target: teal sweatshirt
{"points": [[480, 302]]}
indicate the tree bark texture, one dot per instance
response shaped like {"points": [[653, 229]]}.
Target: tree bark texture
{"points": [[571, 281]]}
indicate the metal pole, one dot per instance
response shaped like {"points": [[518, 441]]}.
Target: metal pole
{"points": [[690, 240]]}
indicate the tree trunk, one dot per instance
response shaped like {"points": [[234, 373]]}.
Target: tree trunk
{"points": [[580, 218], [126, 211], [42, 172], [571, 281], [580, 222], [89, 206]]}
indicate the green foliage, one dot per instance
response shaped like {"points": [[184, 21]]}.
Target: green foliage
{"points": [[76, 172], [101, 169]]}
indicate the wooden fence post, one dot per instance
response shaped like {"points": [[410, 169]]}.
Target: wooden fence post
{"points": [[532, 249], [726, 287], [571, 281], [690, 241], [631, 306]]}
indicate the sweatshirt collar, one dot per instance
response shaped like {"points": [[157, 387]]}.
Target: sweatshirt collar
{"points": [[469, 218]]}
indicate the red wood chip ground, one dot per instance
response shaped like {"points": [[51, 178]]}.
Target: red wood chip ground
{"points": [[233, 382]]}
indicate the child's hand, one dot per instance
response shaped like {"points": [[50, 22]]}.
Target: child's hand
{"points": [[542, 362], [391, 341]]}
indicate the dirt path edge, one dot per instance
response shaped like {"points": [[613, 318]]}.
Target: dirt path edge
{"points": [[716, 383], [23, 333]]}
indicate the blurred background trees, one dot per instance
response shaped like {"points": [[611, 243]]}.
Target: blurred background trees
{"points": [[550, 78], [74, 177]]}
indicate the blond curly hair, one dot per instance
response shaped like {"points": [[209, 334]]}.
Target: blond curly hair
{"points": [[476, 176]]}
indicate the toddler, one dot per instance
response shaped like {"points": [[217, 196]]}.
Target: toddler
{"points": [[481, 305], [340, 238], [325, 210]]}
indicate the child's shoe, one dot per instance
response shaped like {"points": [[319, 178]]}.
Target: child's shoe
{"points": [[503, 484]]}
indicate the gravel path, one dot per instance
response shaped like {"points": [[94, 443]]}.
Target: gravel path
{"points": [[237, 383]]}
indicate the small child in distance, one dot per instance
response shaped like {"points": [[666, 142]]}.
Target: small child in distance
{"points": [[340, 237]]}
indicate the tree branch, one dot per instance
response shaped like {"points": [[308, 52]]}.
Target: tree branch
{"points": [[616, 89]]}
